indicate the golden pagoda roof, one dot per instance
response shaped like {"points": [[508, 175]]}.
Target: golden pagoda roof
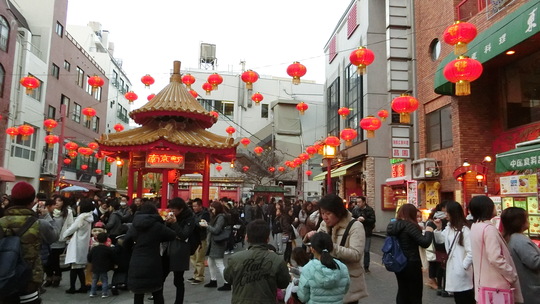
{"points": [[173, 101], [183, 136]]}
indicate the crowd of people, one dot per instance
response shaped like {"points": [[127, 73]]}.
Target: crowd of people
{"points": [[298, 252]]}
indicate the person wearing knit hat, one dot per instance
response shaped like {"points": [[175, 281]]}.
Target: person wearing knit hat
{"points": [[41, 231]]}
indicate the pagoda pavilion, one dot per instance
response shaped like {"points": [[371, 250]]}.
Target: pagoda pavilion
{"points": [[172, 140]]}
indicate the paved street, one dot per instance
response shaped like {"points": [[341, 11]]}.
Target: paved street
{"points": [[381, 284]]}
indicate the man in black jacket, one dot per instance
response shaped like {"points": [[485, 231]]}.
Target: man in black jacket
{"points": [[366, 215]]}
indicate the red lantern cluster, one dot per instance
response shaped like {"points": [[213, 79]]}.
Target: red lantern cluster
{"points": [[462, 71], [119, 127], [343, 112], [302, 107], [257, 97], [85, 151], [296, 70], [188, 80], [361, 57], [370, 124], [30, 83], [215, 79], [147, 80], [348, 135], [89, 113], [250, 77], [459, 34], [404, 105], [50, 124], [131, 96], [95, 82]]}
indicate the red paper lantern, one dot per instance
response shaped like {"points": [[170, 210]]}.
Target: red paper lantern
{"points": [[215, 79], [30, 83], [12, 131], [50, 124], [71, 146], [215, 114], [245, 168], [51, 140], [297, 162], [219, 168], [462, 71], [245, 141], [84, 167], [98, 171], [131, 96], [459, 34], [303, 156], [93, 145], [89, 113], [147, 80], [272, 169], [99, 155], [25, 131], [110, 159], [383, 114], [361, 57], [258, 150], [72, 154], [309, 172], [311, 150], [230, 130], [332, 141], [119, 127], [85, 151], [67, 161], [249, 77], [207, 87], [257, 97], [95, 82], [296, 70], [288, 163], [109, 174], [281, 169], [188, 80], [343, 112], [149, 97], [194, 93], [302, 107], [404, 105], [370, 124], [348, 135]]}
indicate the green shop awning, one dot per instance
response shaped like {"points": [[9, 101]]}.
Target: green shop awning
{"points": [[521, 158], [335, 173], [513, 29]]}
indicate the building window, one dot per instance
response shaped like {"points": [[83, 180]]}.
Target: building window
{"points": [[114, 79], [122, 114], [65, 101], [228, 108], [2, 79], [332, 96], [88, 122], [332, 49], [121, 86], [51, 112], [76, 116], [4, 34], [55, 71], [435, 49], [264, 110], [221, 106], [95, 125], [80, 77], [354, 99], [59, 29], [25, 148], [36, 93], [67, 66], [439, 129]]}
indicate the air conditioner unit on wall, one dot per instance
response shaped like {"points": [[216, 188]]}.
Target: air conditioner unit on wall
{"points": [[50, 167], [290, 190], [425, 168]]}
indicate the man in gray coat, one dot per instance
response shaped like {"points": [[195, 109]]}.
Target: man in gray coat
{"points": [[256, 274]]}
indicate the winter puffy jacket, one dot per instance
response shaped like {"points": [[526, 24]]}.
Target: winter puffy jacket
{"points": [[409, 236], [320, 284]]}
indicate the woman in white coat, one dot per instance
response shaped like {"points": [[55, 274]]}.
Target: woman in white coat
{"points": [[79, 234], [457, 241]]}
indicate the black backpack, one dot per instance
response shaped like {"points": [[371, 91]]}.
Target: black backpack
{"points": [[15, 273]]}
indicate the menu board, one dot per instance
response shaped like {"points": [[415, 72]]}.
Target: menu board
{"points": [[507, 202], [388, 200], [520, 202], [532, 204], [519, 184], [534, 225]]}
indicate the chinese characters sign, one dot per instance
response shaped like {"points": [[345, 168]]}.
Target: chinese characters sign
{"points": [[164, 159]]}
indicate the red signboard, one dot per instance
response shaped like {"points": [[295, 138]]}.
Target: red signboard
{"points": [[398, 170], [165, 160]]}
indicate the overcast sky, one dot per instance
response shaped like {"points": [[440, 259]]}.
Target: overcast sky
{"points": [[267, 35]]}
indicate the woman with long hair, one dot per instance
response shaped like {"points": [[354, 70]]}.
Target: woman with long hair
{"points": [[323, 279], [493, 264], [525, 253], [216, 249], [409, 234], [457, 241]]}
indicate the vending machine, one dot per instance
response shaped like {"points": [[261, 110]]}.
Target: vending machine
{"points": [[522, 191]]}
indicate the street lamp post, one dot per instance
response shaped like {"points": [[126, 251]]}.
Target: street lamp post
{"points": [[329, 153]]}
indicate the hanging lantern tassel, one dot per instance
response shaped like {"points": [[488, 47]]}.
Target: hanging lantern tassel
{"points": [[463, 88]]}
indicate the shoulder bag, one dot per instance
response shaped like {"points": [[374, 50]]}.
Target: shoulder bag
{"points": [[490, 295]]}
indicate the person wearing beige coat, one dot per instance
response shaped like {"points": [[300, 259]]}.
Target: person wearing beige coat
{"points": [[335, 220]]}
